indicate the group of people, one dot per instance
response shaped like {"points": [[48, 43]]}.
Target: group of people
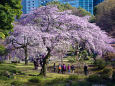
{"points": [[62, 68]]}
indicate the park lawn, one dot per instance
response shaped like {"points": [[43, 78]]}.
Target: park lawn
{"points": [[26, 72]]}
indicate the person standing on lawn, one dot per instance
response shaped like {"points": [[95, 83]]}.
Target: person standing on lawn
{"points": [[72, 68], [68, 67], [54, 67], [85, 70], [63, 68], [59, 68]]}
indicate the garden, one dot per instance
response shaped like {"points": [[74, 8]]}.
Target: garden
{"points": [[54, 45]]}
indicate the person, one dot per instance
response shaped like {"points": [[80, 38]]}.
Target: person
{"points": [[59, 68], [72, 68], [41, 62], [54, 67], [35, 64], [85, 70], [63, 68], [68, 67]]}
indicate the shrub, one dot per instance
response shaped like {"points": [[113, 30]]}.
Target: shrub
{"points": [[2, 49], [3, 78], [92, 19], [106, 73], [100, 63], [80, 12], [71, 59], [2, 35], [17, 83], [94, 78], [73, 77], [113, 76], [35, 79]]}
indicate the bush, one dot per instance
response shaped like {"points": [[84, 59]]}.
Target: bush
{"points": [[80, 12], [35, 79], [17, 83], [94, 78], [2, 35], [113, 76], [92, 19], [61, 6], [106, 73], [71, 59], [100, 63], [73, 77], [2, 49], [3, 78]]}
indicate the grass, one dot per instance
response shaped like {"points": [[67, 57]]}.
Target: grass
{"points": [[24, 74]]}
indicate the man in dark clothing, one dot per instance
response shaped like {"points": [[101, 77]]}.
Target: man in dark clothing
{"points": [[85, 70], [72, 68], [35, 64], [63, 68]]}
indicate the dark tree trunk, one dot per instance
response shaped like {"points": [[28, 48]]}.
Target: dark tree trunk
{"points": [[43, 70], [44, 65], [26, 55]]}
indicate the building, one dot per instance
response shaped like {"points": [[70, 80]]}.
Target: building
{"points": [[87, 5], [29, 5]]}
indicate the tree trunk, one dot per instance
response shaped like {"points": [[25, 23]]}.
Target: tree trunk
{"points": [[43, 70], [26, 56], [61, 59]]}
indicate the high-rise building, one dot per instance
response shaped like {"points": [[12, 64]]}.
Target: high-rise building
{"points": [[87, 4], [29, 5]]}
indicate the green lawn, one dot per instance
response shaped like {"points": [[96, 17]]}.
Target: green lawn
{"points": [[25, 75], [25, 72]]}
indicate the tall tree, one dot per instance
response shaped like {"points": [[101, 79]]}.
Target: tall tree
{"points": [[105, 18], [9, 10], [52, 32]]}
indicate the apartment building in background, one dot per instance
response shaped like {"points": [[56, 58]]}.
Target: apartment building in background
{"points": [[29, 5]]}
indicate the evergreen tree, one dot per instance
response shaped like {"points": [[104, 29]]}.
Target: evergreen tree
{"points": [[9, 10]]}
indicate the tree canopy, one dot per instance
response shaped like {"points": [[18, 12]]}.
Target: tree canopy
{"points": [[9, 10], [76, 11], [49, 32], [105, 16], [47, 27]]}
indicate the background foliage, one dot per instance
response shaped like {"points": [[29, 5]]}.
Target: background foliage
{"points": [[9, 10], [105, 16]]}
